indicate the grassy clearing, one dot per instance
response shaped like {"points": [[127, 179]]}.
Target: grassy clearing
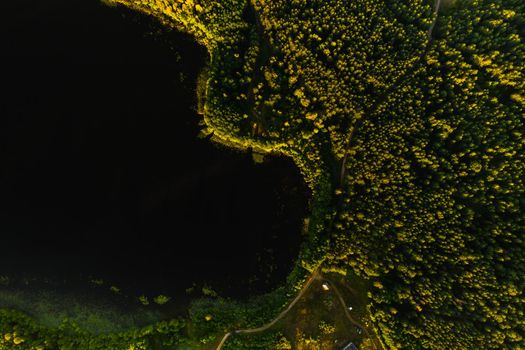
{"points": [[319, 320]]}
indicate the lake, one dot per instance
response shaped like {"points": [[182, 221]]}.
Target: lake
{"points": [[103, 176]]}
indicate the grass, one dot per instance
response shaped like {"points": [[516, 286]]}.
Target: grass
{"points": [[51, 308], [318, 320]]}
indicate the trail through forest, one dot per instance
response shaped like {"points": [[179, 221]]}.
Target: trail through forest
{"points": [[394, 86], [313, 277], [317, 275]]}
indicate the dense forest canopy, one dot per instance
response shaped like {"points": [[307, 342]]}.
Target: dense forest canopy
{"points": [[406, 118]]}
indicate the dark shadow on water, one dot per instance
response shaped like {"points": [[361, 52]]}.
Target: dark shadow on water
{"points": [[102, 174]]}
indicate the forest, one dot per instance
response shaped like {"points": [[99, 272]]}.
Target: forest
{"points": [[406, 120]]}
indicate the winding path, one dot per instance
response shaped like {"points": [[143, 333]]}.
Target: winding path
{"points": [[346, 310], [394, 86], [313, 277], [437, 6]]}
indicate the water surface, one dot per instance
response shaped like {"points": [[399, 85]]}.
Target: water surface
{"points": [[103, 176]]}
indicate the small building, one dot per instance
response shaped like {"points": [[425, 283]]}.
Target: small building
{"points": [[350, 346]]}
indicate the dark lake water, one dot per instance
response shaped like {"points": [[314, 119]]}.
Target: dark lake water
{"points": [[102, 174]]}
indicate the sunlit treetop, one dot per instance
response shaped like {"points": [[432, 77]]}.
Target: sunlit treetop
{"points": [[406, 118]]}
